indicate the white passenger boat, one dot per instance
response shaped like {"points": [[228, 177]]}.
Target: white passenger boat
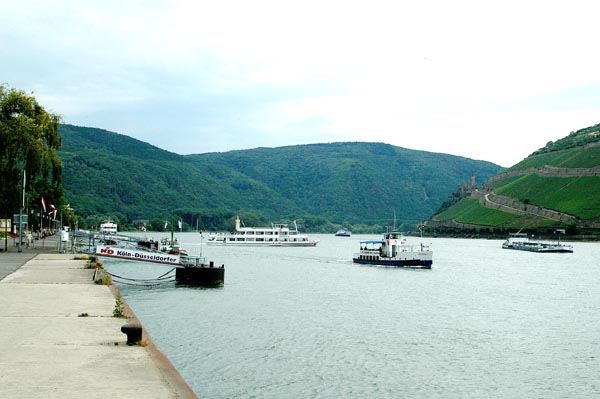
{"points": [[108, 227], [393, 250], [279, 234], [520, 241]]}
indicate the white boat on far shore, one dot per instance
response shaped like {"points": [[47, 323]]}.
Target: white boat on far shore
{"points": [[279, 234], [343, 233], [108, 227], [520, 241]]}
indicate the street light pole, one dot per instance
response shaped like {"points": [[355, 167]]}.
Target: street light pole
{"points": [[60, 233], [21, 205]]}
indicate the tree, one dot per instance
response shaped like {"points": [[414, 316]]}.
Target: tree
{"points": [[29, 141]]}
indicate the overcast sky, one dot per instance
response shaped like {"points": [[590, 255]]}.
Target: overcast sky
{"points": [[486, 80]]}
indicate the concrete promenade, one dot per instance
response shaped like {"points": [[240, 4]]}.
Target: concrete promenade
{"points": [[59, 339]]}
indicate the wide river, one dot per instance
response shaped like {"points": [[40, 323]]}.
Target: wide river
{"points": [[308, 323]]}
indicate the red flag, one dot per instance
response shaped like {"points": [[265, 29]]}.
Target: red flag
{"points": [[44, 204]]}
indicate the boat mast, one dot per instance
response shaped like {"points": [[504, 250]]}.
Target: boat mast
{"points": [[172, 228]]}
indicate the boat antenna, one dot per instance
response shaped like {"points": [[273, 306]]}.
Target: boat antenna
{"points": [[201, 243], [559, 231]]}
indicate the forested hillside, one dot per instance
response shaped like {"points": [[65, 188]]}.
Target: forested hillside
{"points": [[355, 182], [323, 186], [557, 186]]}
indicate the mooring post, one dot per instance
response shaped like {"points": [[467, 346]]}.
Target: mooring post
{"points": [[133, 332]]}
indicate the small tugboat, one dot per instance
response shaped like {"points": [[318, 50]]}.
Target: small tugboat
{"points": [[393, 250], [520, 241]]}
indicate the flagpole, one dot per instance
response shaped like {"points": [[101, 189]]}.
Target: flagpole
{"points": [[172, 228]]}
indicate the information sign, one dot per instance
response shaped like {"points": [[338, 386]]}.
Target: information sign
{"points": [[16, 219]]}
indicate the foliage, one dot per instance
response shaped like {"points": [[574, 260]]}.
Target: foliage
{"points": [[574, 139], [321, 186], [352, 183], [472, 212], [29, 141], [578, 196], [587, 157], [118, 311]]}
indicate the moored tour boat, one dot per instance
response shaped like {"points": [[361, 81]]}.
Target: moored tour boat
{"points": [[279, 234], [393, 250]]}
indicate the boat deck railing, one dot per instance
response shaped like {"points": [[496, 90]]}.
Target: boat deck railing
{"points": [[370, 251], [197, 261]]}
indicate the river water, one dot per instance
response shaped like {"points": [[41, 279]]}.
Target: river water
{"points": [[308, 323]]}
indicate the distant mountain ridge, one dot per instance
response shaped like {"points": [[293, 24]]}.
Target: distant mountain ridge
{"points": [[558, 186], [324, 185]]}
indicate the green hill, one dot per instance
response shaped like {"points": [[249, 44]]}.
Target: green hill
{"points": [[557, 186], [324, 186]]}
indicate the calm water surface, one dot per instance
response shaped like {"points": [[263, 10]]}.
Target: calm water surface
{"points": [[308, 323]]}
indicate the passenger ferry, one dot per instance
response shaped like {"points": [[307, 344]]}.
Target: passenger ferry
{"points": [[393, 250], [279, 234], [108, 227], [521, 241]]}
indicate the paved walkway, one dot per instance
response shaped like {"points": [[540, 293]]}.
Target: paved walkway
{"points": [[59, 339]]}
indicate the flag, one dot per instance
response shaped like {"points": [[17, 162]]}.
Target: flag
{"points": [[54, 214], [44, 204], [166, 223], [179, 224]]}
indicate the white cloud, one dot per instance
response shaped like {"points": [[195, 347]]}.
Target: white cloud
{"points": [[463, 77]]}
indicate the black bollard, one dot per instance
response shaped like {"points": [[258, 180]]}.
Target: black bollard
{"points": [[133, 332]]}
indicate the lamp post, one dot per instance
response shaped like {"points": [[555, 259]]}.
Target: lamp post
{"points": [[60, 234], [60, 238], [21, 205]]}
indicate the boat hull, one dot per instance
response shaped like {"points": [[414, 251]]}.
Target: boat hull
{"points": [[206, 276], [540, 249], [263, 244], [343, 233], [413, 263]]}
